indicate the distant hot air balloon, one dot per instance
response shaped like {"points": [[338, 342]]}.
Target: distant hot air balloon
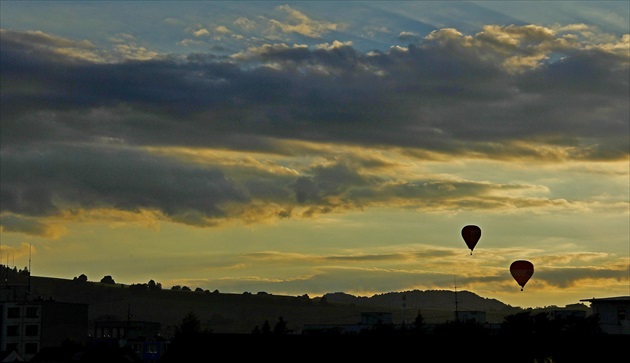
{"points": [[522, 270], [471, 235]]}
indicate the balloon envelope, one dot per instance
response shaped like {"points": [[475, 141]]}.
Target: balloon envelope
{"points": [[471, 235], [522, 271]]}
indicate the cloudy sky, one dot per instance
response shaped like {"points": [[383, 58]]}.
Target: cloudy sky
{"points": [[313, 147]]}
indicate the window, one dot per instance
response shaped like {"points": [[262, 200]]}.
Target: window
{"points": [[622, 314], [31, 311], [13, 312], [31, 330], [30, 348], [152, 348], [12, 330], [137, 347], [11, 347]]}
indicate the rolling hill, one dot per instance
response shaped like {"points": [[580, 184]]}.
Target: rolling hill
{"points": [[241, 313]]}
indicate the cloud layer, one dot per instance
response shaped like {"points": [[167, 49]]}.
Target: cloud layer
{"points": [[289, 117], [84, 130]]}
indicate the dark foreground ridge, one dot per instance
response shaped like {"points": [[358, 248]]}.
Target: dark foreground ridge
{"points": [[127, 324], [390, 348]]}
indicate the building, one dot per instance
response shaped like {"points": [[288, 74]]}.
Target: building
{"points": [[613, 313], [567, 314], [10, 357], [28, 324], [373, 318], [143, 337], [471, 316], [369, 320]]}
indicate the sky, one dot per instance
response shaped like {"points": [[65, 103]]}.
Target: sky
{"points": [[319, 146]]}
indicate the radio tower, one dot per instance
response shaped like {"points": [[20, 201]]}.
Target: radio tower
{"points": [[404, 309], [456, 308], [30, 247]]}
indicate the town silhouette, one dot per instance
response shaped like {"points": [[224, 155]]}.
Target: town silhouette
{"points": [[195, 320]]}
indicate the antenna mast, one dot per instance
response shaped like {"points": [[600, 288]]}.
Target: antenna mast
{"points": [[456, 307], [404, 309], [4, 268], [30, 247]]}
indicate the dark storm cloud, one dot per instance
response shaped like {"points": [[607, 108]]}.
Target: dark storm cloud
{"points": [[74, 117], [12, 223], [441, 95], [333, 180], [44, 181], [567, 277]]}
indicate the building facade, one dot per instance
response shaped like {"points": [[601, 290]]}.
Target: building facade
{"points": [[143, 337], [27, 325], [369, 320], [613, 313]]}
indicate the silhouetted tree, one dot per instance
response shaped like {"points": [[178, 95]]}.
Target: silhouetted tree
{"points": [[190, 325], [543, 326], [138, 287], [266, 328], [524, 325], [176, 287], [24, 272], [281, 327], [517, 325], [380, 328], [189, 341], [577, 326], [185, 288], [419, 325], [153, 286], [459, 328], [108, 280], [81, 278]]}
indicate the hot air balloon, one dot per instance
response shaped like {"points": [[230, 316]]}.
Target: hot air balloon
{"points": [[522, 270], [471, 235]]}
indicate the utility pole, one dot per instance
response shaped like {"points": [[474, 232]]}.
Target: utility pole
{"points": [[30, 247], [404, 309], [456, 307]]}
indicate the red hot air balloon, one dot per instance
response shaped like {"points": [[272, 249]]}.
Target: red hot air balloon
{"points": [[471, 235], [522, 271]]}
